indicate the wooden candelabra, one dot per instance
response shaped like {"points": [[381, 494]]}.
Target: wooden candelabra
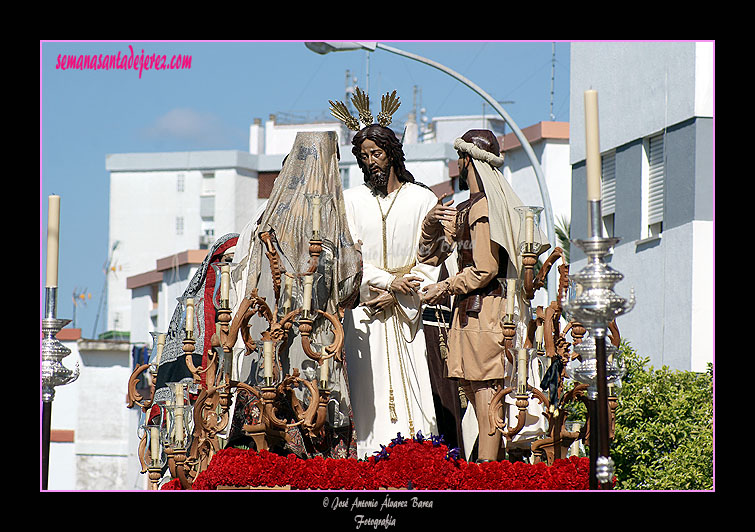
{"points": [[279, 407]]}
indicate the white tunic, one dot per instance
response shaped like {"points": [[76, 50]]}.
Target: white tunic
{"points": [[374, 369]]}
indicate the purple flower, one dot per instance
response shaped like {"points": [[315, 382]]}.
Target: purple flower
{"points": [[399, 439], [381, 454], [437, 440], [419, 438], [453, 453]]}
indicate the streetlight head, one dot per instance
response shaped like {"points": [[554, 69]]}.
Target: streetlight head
{"points": [[332, 46], [319, 47]]}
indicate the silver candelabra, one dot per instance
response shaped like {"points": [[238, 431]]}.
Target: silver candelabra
{"points": [[53, 372], [595, 306]]}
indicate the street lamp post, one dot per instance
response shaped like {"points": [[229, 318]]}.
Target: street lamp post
{"points": [[327, 47]]}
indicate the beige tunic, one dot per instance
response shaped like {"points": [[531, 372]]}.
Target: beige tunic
{"points": [[475, 349]]}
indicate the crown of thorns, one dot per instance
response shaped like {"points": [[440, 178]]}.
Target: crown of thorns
{"points": [[389, 103]]}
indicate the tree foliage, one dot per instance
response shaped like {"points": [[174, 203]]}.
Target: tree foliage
{"points": [[562, 229], [664, 428]]}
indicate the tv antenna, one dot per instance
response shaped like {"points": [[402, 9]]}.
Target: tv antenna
{"points": [[79, 298], [106, 268], [553, 77]]}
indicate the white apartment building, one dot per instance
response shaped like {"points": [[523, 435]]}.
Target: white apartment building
{"points": [[657, 128]]}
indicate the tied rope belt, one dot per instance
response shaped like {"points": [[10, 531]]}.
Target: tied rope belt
{"points": [[401, 354]]}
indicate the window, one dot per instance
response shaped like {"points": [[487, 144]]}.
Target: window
{"points": [[608, 191], [654, 174], [154, 294], [208, 183], [207, 206], [179, 225], [180, 181]]}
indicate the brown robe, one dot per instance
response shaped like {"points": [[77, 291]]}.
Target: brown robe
{"points": [[475, 342]]}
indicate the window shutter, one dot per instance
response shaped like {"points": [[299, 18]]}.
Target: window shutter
{"points": [[608, 183], [207, 206], [656, 179]]}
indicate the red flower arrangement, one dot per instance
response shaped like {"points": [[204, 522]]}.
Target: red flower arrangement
{"points": [[418, 463]]}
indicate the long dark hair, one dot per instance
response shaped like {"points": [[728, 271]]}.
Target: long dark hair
{"points": [[387, 140]]}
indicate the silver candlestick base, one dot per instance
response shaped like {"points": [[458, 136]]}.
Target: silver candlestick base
{"points": [[53, 372], [585, 370], [605, 469], [597, 305]]}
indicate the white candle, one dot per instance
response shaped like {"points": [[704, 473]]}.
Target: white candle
{"points": [[521, 378], [189, 315], [53, 240], [592, 145], [324, 369], [154, 440], [160, 347], [268, 358], [316, 214], [574, 447], [539, 335], [529, 227], [306, 303], [288, 288], [225, 281], [510, 293], [179, 428]]}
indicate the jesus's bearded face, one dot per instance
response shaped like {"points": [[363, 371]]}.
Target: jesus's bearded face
{"points": [[376, 160]]}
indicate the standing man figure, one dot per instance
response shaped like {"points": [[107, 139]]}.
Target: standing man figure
{"points": [[484, 229], [385, 345]]}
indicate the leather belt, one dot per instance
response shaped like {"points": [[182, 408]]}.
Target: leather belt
{"points": [[471, 303]]}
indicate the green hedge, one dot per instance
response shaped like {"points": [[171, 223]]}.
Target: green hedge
{"points": [[664, 428]]}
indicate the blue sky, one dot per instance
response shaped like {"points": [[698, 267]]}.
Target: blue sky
{"points": [[87, 114]]}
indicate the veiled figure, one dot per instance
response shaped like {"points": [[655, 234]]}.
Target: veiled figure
{"points": [[201, 287], [309, 170]]}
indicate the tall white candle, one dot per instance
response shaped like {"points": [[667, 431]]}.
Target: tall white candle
{"points": [[189, 314], [316, 214], [592, 145], [53, 240], [268, 358], [306, 303], [510, 294]]}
